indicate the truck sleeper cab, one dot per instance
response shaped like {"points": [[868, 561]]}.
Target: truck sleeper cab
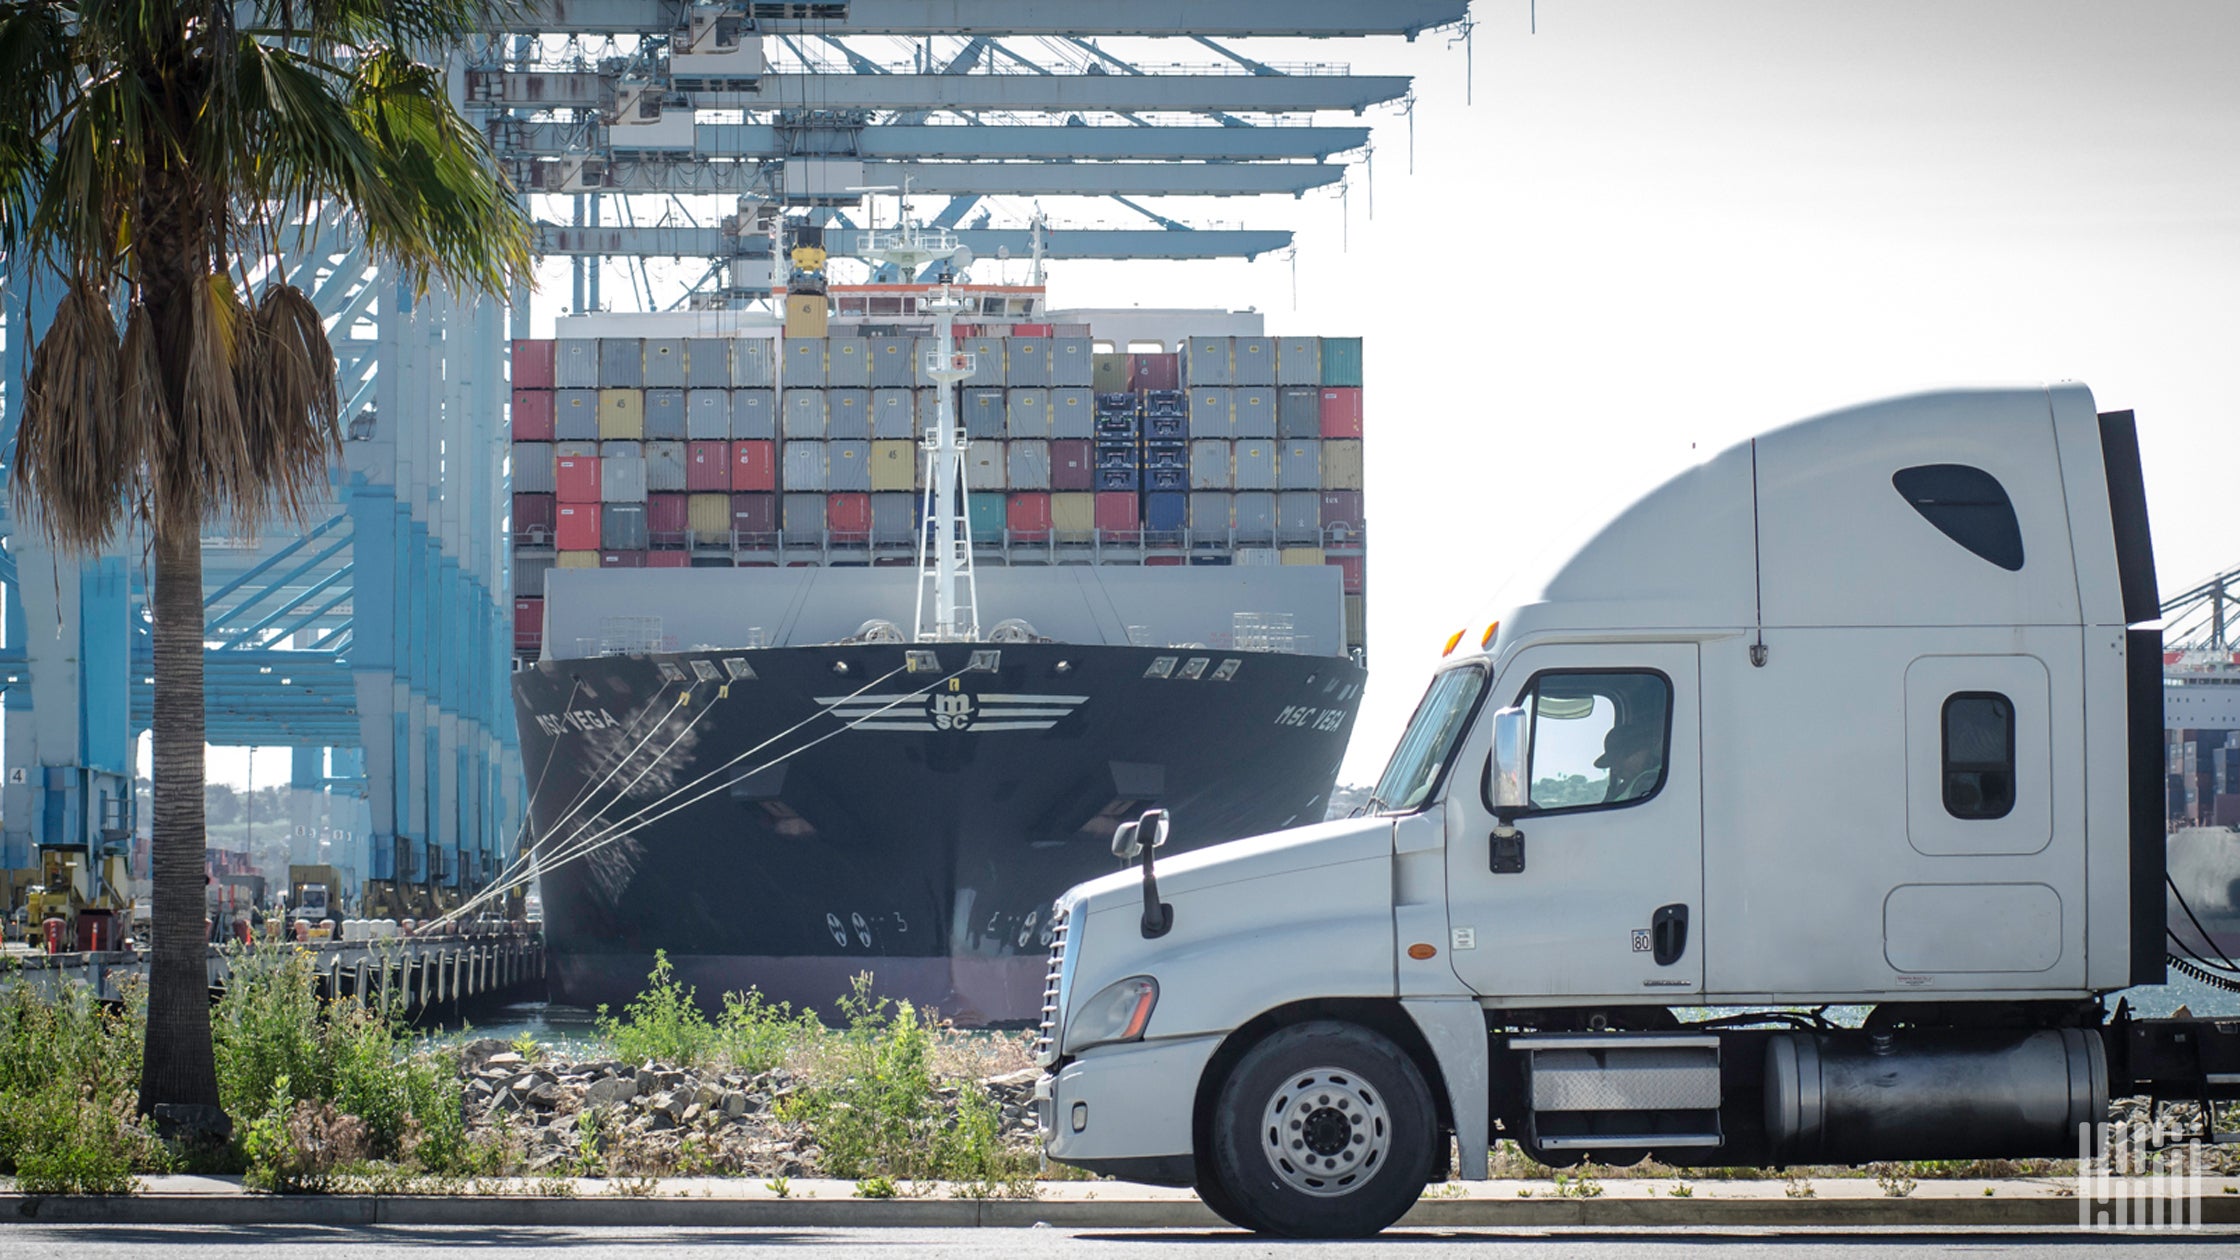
{"points": [[1850, 716]]}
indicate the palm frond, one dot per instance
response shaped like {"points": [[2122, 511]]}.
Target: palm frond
{"points": [[200, 459], [291, 421], [74, 442], [382, 137], [38, 83]]}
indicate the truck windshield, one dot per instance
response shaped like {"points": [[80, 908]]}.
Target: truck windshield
{"points": [[1413, 774]]}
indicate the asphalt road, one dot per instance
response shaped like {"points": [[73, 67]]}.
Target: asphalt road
{"points": [[45, 1242]]}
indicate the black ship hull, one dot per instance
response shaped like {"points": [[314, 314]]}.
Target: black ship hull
{"points": [[786, 818]]}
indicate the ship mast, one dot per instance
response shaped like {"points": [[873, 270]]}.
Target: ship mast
{"points": [[944, 527]]}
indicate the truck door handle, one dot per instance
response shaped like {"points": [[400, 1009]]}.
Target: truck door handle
{"points": [[1668, 933]]}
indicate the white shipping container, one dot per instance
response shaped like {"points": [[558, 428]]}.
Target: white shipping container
{"points": [[622, 479], [707, 414]]}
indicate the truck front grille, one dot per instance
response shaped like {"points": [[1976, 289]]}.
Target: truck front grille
{"points": [[1047, 1036]]}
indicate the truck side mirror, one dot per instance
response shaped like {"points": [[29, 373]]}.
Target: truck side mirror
{"points": [[1125, 846], [1512, 763], [1151, 829]]}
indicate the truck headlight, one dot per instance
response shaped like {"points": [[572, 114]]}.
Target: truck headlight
{"points": [[1118, 1012]]}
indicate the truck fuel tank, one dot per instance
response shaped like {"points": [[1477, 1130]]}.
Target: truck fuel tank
{"points": [[1858, 1097]]}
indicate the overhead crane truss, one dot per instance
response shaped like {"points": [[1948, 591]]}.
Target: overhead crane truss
{"points": [[798, 107]]}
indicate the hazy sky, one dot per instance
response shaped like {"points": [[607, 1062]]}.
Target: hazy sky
{"points": [[1662, 227]]}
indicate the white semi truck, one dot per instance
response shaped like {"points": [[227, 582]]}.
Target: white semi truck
{"points": [[1854, 716]]}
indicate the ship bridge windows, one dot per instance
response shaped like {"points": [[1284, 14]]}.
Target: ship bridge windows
{"points": [[1969, 506]]}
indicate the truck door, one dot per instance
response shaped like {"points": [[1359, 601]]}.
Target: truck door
{"points": [[1600, 892]]}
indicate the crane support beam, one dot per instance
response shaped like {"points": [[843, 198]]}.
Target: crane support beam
{"points": [[965, 93], [941, 143], [690, 242], [1314, 19], [980, 179]]}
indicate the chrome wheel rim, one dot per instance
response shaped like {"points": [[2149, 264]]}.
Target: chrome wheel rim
{"points": [[1325, 1131]]}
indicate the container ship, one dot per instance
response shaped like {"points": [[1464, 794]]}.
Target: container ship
{"points": [[786, 716]]}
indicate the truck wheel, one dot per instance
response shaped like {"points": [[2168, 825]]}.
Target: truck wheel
{"points": [[1324, 1130]]}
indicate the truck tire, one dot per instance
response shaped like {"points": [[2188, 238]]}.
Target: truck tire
{"points": [[1323, 1130]]}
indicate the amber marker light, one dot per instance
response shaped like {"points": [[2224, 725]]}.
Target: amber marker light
{"points": [[1492, 629], [1454, 639], [1421, 951]]}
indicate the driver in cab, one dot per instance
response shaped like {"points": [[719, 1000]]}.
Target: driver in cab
{"points": [[1633, 753]]}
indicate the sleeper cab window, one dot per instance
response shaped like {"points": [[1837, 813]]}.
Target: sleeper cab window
{"points": [[1969, 506], [1978, 755], [1599, 738]]}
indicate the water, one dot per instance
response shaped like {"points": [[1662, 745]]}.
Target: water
{"points": [[571, 1030]]}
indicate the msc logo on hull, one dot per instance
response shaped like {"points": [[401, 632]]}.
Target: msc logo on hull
{"points": [[952, 711]]}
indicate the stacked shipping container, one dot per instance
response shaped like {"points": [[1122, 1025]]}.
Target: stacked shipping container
{"points": [[667, 452]]}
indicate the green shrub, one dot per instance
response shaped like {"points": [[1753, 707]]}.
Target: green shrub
{"points": [[662, 1023], [755, 1036], [299, 1146], [69, 1076], [877, 1108], [285, 1064], [69, 1141]]}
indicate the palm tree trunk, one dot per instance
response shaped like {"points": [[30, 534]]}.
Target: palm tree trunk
{"points": [[179, 1067]]}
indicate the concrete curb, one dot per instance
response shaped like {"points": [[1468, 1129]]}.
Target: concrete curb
{"points": [[943, 1213]]}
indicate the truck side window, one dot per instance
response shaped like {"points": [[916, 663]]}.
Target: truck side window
{"points": [[1978, 755], [1598, 738], [1969, 506]]}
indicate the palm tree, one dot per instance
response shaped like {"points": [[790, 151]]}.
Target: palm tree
{"points": [[155, 158]]}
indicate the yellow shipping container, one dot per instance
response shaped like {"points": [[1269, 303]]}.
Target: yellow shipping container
{"points": [[1341, 464], [709, 517], [1357, 620], [1302, 555], [576, 560], [1073, 512], [806, 316], [622, 415], [892, 460], [1109, 374]]}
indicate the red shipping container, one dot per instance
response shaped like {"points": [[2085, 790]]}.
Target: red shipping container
{"points": [[528, 625], [754, 466], [576, 477], [1350, 569], [1154, 371], [668, 519], [1072, 464], [1027, 514], [1162, 560], [1342, 507], [668, 559], [707, 467], [1031, 330], [1341, 413], [532, 415], [533, 516], [577, 526], [1116, 509], [754, 513], [532, 365], [847, 513], [622, 559]]}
